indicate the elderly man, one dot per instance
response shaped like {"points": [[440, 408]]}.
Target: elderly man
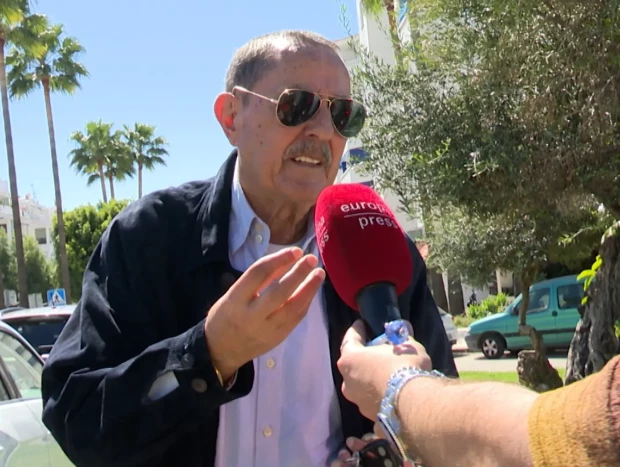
{"points": [[207, 334]]}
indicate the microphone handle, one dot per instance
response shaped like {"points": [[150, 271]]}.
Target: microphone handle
{"points": [[378, 304]]}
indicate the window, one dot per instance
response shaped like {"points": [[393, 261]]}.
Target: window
{"points": [[539, 300], [570, 296], [40, 333], [41, 235], [5, 227], [24, 367]]}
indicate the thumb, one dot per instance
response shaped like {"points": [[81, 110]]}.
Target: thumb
{"points": [[355, 335]]}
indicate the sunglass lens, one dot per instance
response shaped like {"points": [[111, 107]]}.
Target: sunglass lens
{"points": [[348, 116], [297, 107]]}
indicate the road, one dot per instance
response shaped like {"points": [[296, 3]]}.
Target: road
{"points": [[477, 362]]}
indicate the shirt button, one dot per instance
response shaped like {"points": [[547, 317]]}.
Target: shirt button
{"points": [[258, 238], [270, 363], [267, 431], [199, 385]]}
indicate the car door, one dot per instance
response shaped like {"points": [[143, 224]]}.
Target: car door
{"points": [[23, 437], [569, 298], [539, 316]]}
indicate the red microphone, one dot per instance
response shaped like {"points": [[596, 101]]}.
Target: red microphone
{"points": [[364, 251]]}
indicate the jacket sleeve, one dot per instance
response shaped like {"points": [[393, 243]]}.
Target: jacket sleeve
{"points": [[96, 380], [578, 424], [426, 321]]}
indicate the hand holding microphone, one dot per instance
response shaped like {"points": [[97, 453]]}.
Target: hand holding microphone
{"points": [[365, 252]]}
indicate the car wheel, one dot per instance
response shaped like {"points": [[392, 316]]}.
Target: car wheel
{"points": [[492, 346]]}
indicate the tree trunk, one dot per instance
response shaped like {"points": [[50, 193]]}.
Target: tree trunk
{"points": [[438, 289], [102, 179], [455, 295], [392, 15], [533, 367], [111, 180], [595, 342], [139, 180], [17, 223], [63, 262]]}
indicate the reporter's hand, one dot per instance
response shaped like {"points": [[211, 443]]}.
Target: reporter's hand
{"points": [[366, 370], [261, 308], [353, 445]]}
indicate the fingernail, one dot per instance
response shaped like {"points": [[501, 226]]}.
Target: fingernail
{"points": [[350, 441]]}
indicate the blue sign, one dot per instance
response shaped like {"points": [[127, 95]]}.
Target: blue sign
{"points": [[56, 297]]}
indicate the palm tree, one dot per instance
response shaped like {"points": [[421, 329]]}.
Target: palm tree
{"points": [[16, 25], [374, 8], [120, 165], [146, 149], [55, 69], [92, 154]]}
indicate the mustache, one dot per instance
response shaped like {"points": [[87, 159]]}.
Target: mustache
{"points": [[310, 147]]}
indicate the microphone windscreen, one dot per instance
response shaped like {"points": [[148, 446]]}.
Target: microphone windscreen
{"points": [[360, 241]]}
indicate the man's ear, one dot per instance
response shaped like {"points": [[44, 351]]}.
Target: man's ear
{"points": [[225, 113]]}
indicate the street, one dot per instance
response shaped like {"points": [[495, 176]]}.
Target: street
{"points": [[477, 362], [466, 361]]}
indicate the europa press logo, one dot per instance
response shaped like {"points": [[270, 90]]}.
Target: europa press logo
{"points": [[323, 233], [369, 214]]}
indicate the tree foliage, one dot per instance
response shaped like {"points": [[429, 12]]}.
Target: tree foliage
{"points": [[510, 102], [84, 226], [39, 269]]}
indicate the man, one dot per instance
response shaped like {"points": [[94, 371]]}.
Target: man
{"points": [[139, 375]]}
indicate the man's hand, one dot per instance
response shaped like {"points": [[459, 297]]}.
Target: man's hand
{"points": [[261, 308], [366, 370]]}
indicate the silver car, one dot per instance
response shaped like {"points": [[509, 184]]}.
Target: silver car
{"points": [[24, 440]]}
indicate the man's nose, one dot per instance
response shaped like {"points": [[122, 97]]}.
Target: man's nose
{"points": [[321, 125]]}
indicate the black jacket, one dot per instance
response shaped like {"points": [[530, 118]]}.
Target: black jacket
{"points": [[156, 271]]}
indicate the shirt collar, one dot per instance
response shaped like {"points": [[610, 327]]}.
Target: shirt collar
{"points": [[243, 219]]}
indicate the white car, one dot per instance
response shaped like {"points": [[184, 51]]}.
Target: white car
{"points": [[24, 440], [450, 327]]}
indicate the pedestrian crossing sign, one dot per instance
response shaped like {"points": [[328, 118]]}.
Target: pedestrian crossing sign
{"points": [[56, 297]]}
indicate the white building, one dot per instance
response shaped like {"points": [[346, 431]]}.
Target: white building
{"points": [[36, 219]]}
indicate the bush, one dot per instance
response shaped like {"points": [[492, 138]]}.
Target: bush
{"points": [[489, 306]]}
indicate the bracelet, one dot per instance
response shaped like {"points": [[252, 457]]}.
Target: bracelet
{"points": [[231, 382]]}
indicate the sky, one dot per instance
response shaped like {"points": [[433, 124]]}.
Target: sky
{"points": [[153, 63]]}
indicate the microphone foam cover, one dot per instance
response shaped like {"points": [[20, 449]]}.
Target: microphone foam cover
{"points": [[360, 241]]}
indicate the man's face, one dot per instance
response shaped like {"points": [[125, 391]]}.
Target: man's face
{"points": [[271, 154]]}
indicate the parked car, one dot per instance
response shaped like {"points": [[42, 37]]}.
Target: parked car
{"points": [[552, 311], [24, 440], [40, 326], [450, 327], [11, 308]]}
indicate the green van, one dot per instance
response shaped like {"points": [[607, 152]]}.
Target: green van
{"points": [[552, 311]]}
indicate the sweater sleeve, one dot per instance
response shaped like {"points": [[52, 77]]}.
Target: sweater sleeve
{"points": [[578, 424]]}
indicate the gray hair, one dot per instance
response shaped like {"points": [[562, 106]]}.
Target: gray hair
{"points": [[258, 56]]}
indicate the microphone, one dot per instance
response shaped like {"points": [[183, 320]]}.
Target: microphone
{"points": [[365, 252]]}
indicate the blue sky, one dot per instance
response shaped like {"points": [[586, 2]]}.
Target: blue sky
{"points": [[153, 63]]}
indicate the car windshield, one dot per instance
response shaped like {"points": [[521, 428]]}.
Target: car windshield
{"points": [[40, 333]]}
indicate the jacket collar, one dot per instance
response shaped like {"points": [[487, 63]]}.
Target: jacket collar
{"points": [[214, 215]]}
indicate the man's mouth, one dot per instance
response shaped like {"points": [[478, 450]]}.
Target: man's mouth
{"points": [[307, 161]]}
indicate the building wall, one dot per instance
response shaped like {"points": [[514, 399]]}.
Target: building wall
{"points": [[36, 219]]}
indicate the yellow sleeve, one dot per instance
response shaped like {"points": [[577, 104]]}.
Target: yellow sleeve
{"points": [[579, 424]]}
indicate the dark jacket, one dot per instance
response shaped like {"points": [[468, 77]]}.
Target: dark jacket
{"points": [[158, 268]]}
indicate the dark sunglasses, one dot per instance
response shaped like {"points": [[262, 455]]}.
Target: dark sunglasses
{"points": [[295, 107]]}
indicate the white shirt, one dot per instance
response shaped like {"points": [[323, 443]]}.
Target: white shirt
{"points": [[291, 418]]}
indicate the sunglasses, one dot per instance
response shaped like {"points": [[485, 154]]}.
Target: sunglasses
{"points": [[295, 107]]}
